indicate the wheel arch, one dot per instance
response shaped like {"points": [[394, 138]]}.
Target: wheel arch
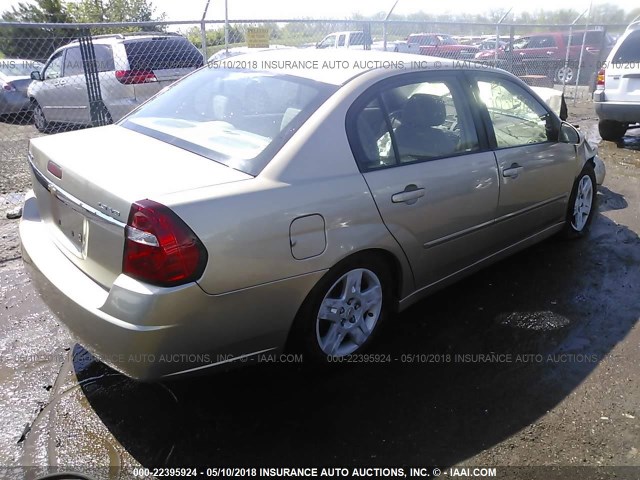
{"points": [[388, 257]]}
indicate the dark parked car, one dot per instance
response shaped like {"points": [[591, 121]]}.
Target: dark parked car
{"points": [[437, 45], [14, 81]]}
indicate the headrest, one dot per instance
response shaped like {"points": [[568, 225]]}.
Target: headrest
{"points": [[423, 110]]}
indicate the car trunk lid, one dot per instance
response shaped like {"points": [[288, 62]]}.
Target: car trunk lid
{"points": [[85, 192]]}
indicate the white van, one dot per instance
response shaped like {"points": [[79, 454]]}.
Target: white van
{"points": [[131, 69]]}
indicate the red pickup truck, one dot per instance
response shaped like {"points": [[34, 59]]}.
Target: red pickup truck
{"points": [[437, 45], [548, 52]]}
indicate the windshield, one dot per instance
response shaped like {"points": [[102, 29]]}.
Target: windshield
{"points": [[239, 118], [18, 68]]}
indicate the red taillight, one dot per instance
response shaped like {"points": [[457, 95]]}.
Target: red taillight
{"points": [[600, 79], [160, 248], [8, 87], [132, 77]]}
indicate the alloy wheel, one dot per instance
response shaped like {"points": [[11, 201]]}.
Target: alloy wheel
{"points": [[583, 203], [349, 312]]}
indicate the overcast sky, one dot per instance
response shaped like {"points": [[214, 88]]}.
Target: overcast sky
{"points": [[338, 9]]}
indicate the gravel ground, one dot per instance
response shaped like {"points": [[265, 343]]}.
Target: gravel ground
{"points": [[574, 303]]}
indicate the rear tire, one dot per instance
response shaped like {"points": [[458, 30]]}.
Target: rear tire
{"points": [[611, 130], [582, 204], [344, 312], [567, 75]]}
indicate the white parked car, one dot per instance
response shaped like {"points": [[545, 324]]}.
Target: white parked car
{"points": [[617, 94], [235, 51]]}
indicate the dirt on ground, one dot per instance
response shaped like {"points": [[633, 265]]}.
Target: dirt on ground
{"points": [[530, 362]]}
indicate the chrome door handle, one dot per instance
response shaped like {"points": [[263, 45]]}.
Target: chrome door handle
{"points": [[513, 171], [410, 195]]}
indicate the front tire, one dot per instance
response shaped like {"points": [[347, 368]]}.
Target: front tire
{"points": [[39, 120], [611, 130], [582, 204], [345, 310]]}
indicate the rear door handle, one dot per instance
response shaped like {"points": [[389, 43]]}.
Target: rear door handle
{"points": [[410, 195], [513, 171]]}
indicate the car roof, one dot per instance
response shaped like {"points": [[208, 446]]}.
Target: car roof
{"points": [[344, 31], [109, 39], [336, 67], [563, 32]]}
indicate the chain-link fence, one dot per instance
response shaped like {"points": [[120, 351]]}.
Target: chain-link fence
{"points": [[55, 77]]}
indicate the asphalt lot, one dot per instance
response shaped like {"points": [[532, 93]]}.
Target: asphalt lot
{"points": [[533, 361]]}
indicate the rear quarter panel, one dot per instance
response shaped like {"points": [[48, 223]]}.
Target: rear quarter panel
{"points": [[245, 227]]}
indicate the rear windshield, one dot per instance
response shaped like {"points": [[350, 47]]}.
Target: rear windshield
{"points": [[236, 117], [359, 38], [162, 53], [629, 51]]}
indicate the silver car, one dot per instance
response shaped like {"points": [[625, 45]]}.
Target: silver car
{"points": [[14, 81], [293, 205], [131, 68]]}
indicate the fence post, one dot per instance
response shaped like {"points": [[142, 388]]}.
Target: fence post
{"points": [[384, 35], [599, 62], [203, 37], [512, 34], [226, 26], [584, 40], [566, 59]]}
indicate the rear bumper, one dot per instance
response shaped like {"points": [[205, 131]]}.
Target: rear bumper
{"points": [[625, 112], [13, 102], [150, 332]]}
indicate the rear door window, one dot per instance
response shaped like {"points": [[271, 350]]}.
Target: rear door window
{"points": [[73, 63], [162, 53], [541, 42], [412, 123]]}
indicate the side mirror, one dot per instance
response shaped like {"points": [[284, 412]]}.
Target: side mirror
{"points": [[35, 75], [569, 134]]}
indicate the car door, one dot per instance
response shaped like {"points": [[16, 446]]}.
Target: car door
{"points": [[541, 46], [434, 182], [47, 91], [73, 89], [536, 171]]}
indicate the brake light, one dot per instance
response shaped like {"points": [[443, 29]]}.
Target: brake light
{"points": [[600, 79], [160, 248], [132, 77], [8, 87]]}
